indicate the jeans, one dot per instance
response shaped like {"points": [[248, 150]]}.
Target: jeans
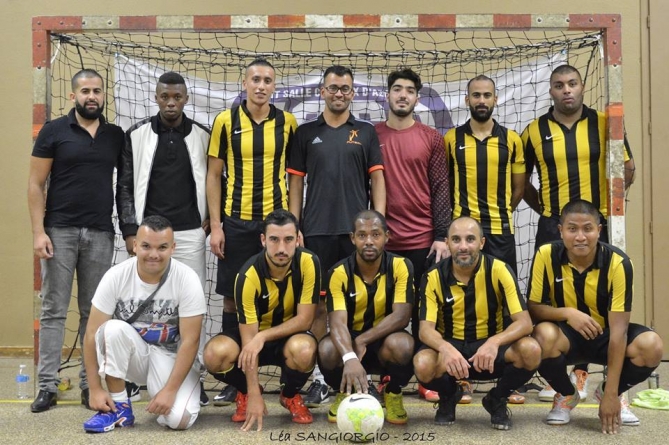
{"points": [[88, 252]]}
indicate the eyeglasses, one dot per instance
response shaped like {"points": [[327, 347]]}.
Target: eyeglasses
{"points": [[332, 89]]}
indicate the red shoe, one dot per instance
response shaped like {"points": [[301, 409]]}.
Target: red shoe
{"points": [[428, 394], [242, 401], [381, 387], [298, 410]]}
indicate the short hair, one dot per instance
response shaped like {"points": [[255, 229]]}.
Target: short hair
{"points": [[479, 78], [478, 224], [85, 73], [156, 223], [579, 206], [406, 73], [172, 78], [566, 69], [260, 61], [339, 71], [367, 215], [280, 217]]}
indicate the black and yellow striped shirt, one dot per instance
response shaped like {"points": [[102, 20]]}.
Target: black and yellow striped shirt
{"points": [[472, 311], [571, 163], [255, 160], [368, 304], [606, 286], [261, 299], [481, 172]]}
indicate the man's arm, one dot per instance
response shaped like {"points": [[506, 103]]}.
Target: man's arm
{"points": [[378, 191], [189, 331], [99, 400], [214, 172], [39, 172], [125, 195], [518, 182], [609, 407], [580, 321], [530, 194], [295, 198], [248, 362], [440, 198], [301, 322], [450, 360], [354, 376], [484, 358], [396, 321]]}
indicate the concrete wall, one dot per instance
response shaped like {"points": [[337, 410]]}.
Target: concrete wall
{"points": [[16, 260]]}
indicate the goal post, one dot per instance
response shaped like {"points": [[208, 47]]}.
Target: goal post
{"points": [[516, 50]]}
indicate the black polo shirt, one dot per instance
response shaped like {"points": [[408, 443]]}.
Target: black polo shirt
{"points": [[338, 163], [80, 192]]}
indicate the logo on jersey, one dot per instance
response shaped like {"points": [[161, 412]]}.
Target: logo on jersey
{"points": [[352, 135], [317, 140]]}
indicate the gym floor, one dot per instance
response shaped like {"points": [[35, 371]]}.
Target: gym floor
{"points": [[63, 423]]}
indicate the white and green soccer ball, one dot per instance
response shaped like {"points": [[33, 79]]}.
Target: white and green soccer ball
{"points": [[361, 416]]}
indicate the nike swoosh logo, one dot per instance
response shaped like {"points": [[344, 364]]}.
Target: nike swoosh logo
{"points": [[559, 280], [265, 297], [462, 147], [356, 399], [448, 300], [237, 132], [549, 137], [353, 294]]}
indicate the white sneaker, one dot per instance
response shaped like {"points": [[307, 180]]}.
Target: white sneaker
{"points": [[626, 415], [547, 394], [579, 379], [560, 414]]}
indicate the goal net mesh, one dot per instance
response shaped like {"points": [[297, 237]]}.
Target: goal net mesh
{"points": [[213, 64]]}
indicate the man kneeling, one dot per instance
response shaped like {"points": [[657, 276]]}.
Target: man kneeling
{"points": [[276, 292], [462, 306], [157, 304]]}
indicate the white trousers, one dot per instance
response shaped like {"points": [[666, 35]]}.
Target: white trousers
{"points": [[190, 250], [123, 354]]}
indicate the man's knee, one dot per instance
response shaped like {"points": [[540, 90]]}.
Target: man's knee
{"points": [[397, 348], [424, 365], [546, 334], [526, 354], [220, 352], [646, 349], [328, 356], [179, 421], [300, 352]]}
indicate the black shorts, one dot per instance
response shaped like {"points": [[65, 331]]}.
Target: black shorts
{"points": [[595, 350], [329, 249], [272, 351], [370, 361], [502, 247], [468, 349], [242, 241], [547, 231]]}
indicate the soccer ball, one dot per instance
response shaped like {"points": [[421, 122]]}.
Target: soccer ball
{"points": [[360, 416]]}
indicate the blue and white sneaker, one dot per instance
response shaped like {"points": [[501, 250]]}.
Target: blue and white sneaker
{"points": [[105, 422]]}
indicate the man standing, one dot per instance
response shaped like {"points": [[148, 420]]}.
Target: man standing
{"points": [[487, 171], [276, 292], [251, 141], [164, 171], [580, 297], [567, 146], [463, 299], [369, 300], [340, 157], [72, 230], [157, 306]]}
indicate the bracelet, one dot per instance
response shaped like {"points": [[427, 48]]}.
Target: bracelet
{"points": [[349, 356]]}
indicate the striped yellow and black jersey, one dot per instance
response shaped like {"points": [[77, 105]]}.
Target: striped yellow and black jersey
{"points": [[480, 173], [606, 286], [472, 311], [255, 160], [261, 299], [367, 304], [571, 163]]}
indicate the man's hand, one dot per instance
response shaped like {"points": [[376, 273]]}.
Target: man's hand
{"points": [[255, 409], [206, 227], [454, 363], [162, 403], [440, 249], [130, 244], [609, 413], [584, 324], [249, 355], [100, 400], [42, 246], [217, 241], [484, 359], [354, 378], [360, 348]]}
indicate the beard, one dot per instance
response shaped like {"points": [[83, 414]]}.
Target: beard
{"points": [[478, 116], [473, 258], [88, 114], [402, 112]]}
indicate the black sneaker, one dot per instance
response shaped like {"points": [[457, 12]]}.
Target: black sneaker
{"points": [[317, 394], [372, 391], [133, 392], [204, 398], [446, 407], [226, 397], [500, 416]]}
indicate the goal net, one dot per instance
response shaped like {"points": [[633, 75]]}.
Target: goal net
{"points": [[213, 63]]}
